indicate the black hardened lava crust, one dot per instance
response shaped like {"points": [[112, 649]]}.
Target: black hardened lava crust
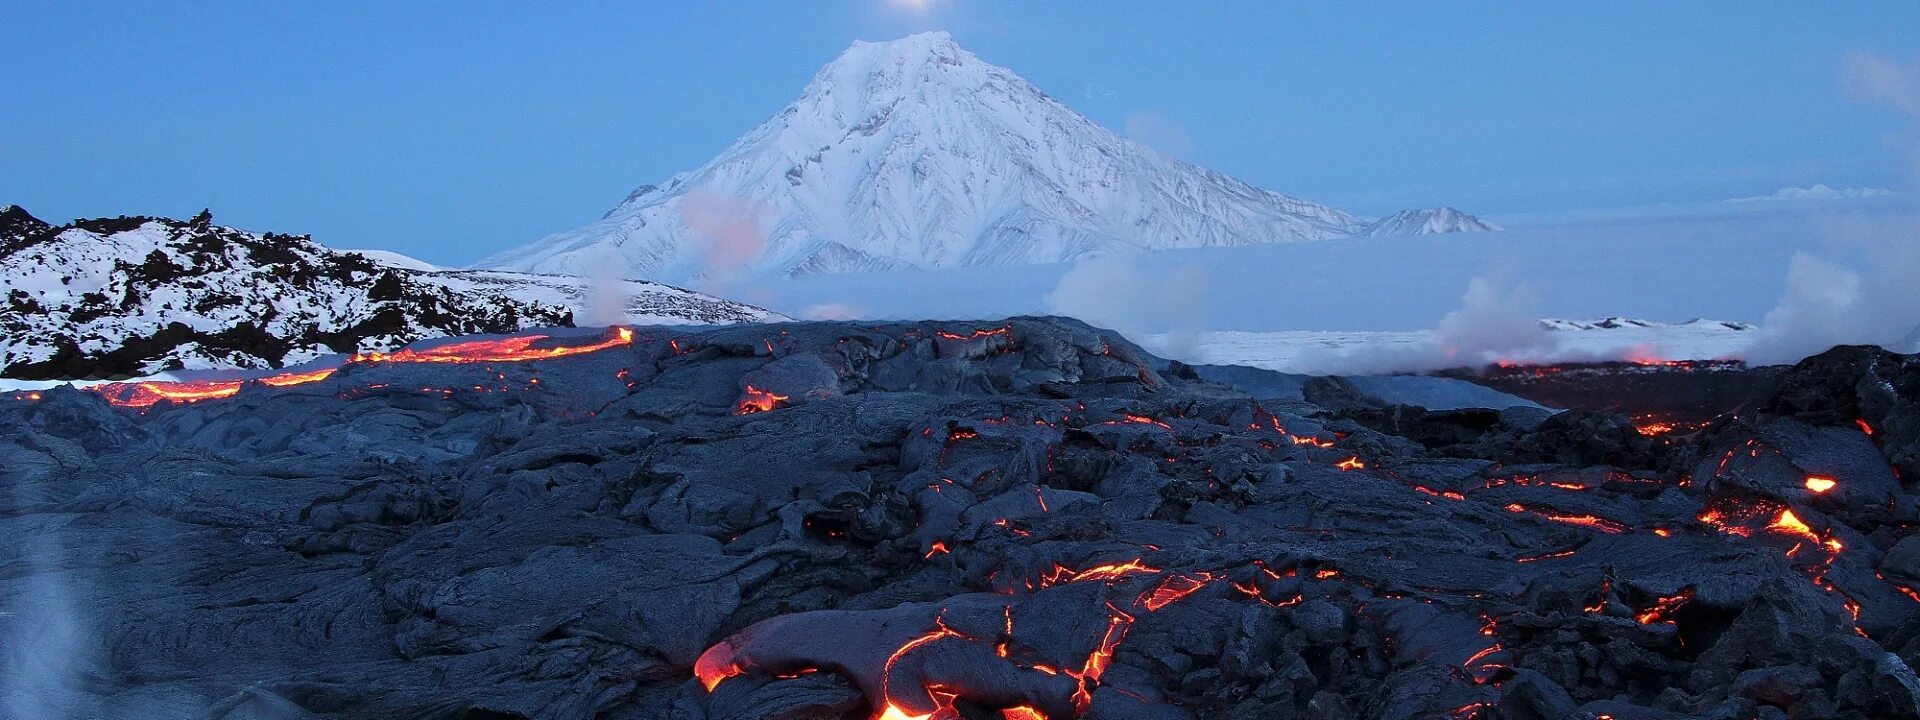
{"points": [[1014, 520]]}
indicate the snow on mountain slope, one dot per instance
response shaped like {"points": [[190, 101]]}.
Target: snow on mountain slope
{"points": [[137, 295], [1428, 221], [389, 258], [916, 153]]}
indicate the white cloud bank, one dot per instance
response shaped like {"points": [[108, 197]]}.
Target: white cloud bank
{"points": [[1816, 192]]}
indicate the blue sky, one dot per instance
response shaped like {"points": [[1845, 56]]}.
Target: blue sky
{"points": [[452, 130]]}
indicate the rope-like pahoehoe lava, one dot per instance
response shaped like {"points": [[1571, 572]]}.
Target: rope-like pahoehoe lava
{"points": [[1019, 520]]}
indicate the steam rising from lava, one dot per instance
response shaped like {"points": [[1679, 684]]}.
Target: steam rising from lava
{"points": [[729, 234], [1163, 310], [1827, 304], [1496, 322]]}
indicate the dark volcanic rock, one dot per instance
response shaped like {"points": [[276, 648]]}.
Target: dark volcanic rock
{"points": [[1012, 520], [1863, 387]]}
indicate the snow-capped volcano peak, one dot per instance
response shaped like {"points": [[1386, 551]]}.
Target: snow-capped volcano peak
{"points": [[869, 71], [1428, 221], [916, 153]]}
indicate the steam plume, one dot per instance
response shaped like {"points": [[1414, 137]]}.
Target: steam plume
{"points": [[1163, 311], [1495, 322], [1827, 304], [728, 231]]}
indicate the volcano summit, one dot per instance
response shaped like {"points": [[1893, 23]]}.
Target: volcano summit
{"points": [[917, 154]]}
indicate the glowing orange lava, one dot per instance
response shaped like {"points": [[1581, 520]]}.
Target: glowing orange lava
{"points": [[1588, 521], [1138, 420], [755, 400], [1007, 330], [1173, 589], [1820, 483], [893, 709], [146, 394], [1113, 571], [716, 665], [1662, 607], [1022, 712], [289, 379], [1352, 463], [508, 349], [1479, 669], [1791, 524], [511, 349], [1101, 657]]}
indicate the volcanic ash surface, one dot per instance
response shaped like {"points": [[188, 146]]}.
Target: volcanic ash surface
{"points": [[1013, 520]]}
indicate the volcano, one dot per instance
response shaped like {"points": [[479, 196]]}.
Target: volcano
{"points": [[917, 154], [1023, 519]]}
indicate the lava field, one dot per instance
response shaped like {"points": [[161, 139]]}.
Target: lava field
{"points": [[1015, 520]]}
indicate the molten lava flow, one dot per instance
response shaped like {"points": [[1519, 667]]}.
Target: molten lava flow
{"points": [[1138, 420], [893, 708], [1004, 330], [1022, 712], [511, 349], [1662, 607], [1653, 427], [939, 548], [1791, 524], [1911, 594], [1820, 483], [1864, 427], [717, 664], [1656, 425], [1113, 571], [755, 400], [1588, 521], [1352, 463], [508, 349], [145, 394], [1479, 666], [1544, 556], [1606, 592], [289, 379], [1101, 657], [1173, 589]]}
